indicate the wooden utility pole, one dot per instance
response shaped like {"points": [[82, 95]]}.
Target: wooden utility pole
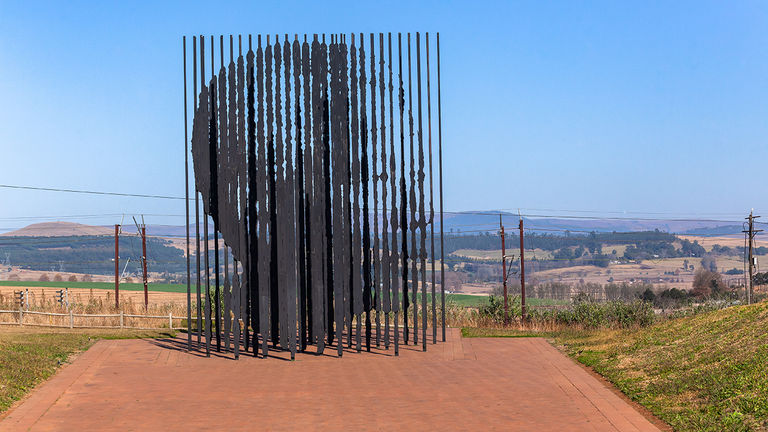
{"points": [[117, 267], [751, 231], [504, 271], [522, 270], [144, 263]]}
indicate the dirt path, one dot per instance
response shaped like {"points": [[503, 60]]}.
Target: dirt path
{"points": [[520, 384]]}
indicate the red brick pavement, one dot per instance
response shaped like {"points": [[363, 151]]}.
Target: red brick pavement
{"points": [[511, 384]]}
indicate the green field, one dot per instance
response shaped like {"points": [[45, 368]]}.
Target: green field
{"points": [[99, 285]]}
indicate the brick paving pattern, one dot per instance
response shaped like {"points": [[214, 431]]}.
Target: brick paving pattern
{"points": [[511, 384]]}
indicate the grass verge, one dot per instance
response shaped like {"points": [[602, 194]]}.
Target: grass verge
{"points": [[30, 356], [701, 373]]}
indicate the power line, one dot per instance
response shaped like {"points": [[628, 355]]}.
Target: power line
{"points": [[86, 216], [90, 192]]}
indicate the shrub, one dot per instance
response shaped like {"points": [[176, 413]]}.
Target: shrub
{"points": [[583, 311]]}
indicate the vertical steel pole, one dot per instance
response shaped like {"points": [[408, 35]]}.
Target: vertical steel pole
{"points": [[197, 204], [117, 267], [186, 206], [504, 271], [431, 197], [144, 265], [522, 271], [440, 175], [215, 202], [205, 228], [403, 192]]}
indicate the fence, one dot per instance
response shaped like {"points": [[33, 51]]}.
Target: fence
{"points": [[123, 320]]}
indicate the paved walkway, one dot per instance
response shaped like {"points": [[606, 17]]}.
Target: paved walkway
{"points": [[518, 384]]}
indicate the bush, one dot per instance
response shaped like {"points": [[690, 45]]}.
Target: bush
{"points": [[609, 314], [584, 311], [494, 309], [44, 278], [72, 278]]}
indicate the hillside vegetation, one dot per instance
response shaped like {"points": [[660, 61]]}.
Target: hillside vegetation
{"points": [[706, 372]]}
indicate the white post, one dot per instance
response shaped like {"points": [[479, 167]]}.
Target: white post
{"points": [[71, 320], [121, 320], [170, 320]]}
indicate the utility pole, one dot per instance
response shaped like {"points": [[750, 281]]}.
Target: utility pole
{"points": [[117, 267], [751, 231], [504, 271], [144, 263], [522, 270]]}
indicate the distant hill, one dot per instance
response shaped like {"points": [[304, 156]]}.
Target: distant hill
{"points": [[461, 222], [59, 229], [488, 221]]}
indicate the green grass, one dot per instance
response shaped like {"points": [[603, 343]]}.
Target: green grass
{"points": [[29, 357], [707, 372], [100, 285]]}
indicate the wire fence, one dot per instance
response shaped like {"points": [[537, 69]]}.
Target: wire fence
{"points": [[72, 320]]}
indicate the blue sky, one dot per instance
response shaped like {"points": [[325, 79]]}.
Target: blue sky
{"points": [[657, 107]]}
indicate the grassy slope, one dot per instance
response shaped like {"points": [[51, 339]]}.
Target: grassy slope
{"points": [[29, 357], [705, 373]]}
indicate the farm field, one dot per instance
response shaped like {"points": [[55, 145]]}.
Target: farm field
{"points": [[99, 285], [158, 293], [495, 255]]}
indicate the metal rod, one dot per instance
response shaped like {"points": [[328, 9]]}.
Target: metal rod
{"points": [[431, 198], [205, 226], [366, 232], [504, 270], [144, 268], [440, 175], [395, 259], [422, 218], [215, 201], [403, 193], [386, 257], [197, 203], [186, 205], [522, 271], [117, 267], [414, 255], [377, 278]]}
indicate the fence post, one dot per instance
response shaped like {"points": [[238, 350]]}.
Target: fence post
{"points": [[170, 320], [121, 320], [71, 319]]}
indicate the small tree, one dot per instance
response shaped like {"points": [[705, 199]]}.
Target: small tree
{"points": [[72, 278], [707, 283], [58, 278], [648, 295], [44, 278]]}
